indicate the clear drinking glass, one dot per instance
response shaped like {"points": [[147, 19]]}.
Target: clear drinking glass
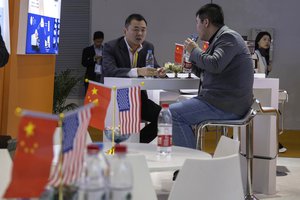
{"points": [[187, 65], [118, 137]]}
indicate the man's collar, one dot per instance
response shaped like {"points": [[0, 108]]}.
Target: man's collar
{"points": [[214, 35], [130, 49], [97, 47]]}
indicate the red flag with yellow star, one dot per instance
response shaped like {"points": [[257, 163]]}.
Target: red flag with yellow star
{"points": [[101, 95], [33, 158], [178, 53]]}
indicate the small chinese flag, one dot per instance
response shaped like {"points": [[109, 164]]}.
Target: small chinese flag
{"points": [[33, 157], [178, 53], [101, 95]]}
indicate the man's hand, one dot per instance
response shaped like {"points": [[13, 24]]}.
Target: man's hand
{"points": [[147, 71], [161, 72], [189, 45], [97, 58]]}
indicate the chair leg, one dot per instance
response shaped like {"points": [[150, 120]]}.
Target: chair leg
{"points": [[202, 133], [200, 137], [249, 156]]}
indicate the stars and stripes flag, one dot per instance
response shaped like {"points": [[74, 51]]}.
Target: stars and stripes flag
{"points": [[129, 105], [74, 128]]}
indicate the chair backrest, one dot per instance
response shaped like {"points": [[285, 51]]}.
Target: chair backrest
{"points": [[142, 184], [5, 170], [227, 146], [213, 179]]}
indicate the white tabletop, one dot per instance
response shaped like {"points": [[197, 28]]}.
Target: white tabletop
{"points": [[155, 164], [155, 83], [174, 162]]}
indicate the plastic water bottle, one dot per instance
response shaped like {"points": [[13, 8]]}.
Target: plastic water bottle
{"points": [[187, 65], [92, 184], [105, 165], [150, 60], [121, 176], [164, 134]]}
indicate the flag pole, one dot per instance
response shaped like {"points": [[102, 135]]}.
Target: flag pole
{"points": [[112, 149], [60, 194]]}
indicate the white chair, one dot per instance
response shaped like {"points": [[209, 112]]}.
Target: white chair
{"points": [[5, 172], [213, 179], [142, 184], [227, 146]]}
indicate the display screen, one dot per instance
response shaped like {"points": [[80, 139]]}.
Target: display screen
{"points": [[43, 27], [4, 23]]}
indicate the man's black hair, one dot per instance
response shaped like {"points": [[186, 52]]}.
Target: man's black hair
{"points": [[213, 13], [134, 16], [98, 35]]}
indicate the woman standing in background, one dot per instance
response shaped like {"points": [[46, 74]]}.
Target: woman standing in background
{"points": [[262, 60], [261, 55]]}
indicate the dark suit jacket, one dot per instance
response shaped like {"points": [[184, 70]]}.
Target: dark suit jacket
{"points": [[116, 60], [3, 52], [116, 63], [87, 61]]}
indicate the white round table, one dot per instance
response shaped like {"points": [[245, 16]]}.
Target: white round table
{"points": [[157, 164], [154, 162]]}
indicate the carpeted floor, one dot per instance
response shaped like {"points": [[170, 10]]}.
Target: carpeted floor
{"points": [[290, 139]]}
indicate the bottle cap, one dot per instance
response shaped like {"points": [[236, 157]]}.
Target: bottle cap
{"points": [[92, 149], [120, 148], [165, 105]]}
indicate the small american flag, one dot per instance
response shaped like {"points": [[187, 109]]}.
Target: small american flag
{"points": [[129, 101], [74, 138]]}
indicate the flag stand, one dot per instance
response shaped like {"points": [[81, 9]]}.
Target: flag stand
{"points": [[111, 151]]}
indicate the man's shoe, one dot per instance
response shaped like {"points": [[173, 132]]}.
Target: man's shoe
{"points": [[281, 148], [175, 174]]}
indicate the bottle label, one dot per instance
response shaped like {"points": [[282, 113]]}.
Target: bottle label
{"points": [[187, 65], [164, 140]]}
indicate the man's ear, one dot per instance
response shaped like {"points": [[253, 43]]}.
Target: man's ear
{"points": [[206, 22], [124, 30]]}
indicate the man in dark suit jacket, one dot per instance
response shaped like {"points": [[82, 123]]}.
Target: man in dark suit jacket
{"points": [[3, 52], [126, 57], [92, 59]]}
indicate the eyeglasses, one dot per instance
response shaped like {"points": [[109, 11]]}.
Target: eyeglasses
{"points": [[137, 30]]}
